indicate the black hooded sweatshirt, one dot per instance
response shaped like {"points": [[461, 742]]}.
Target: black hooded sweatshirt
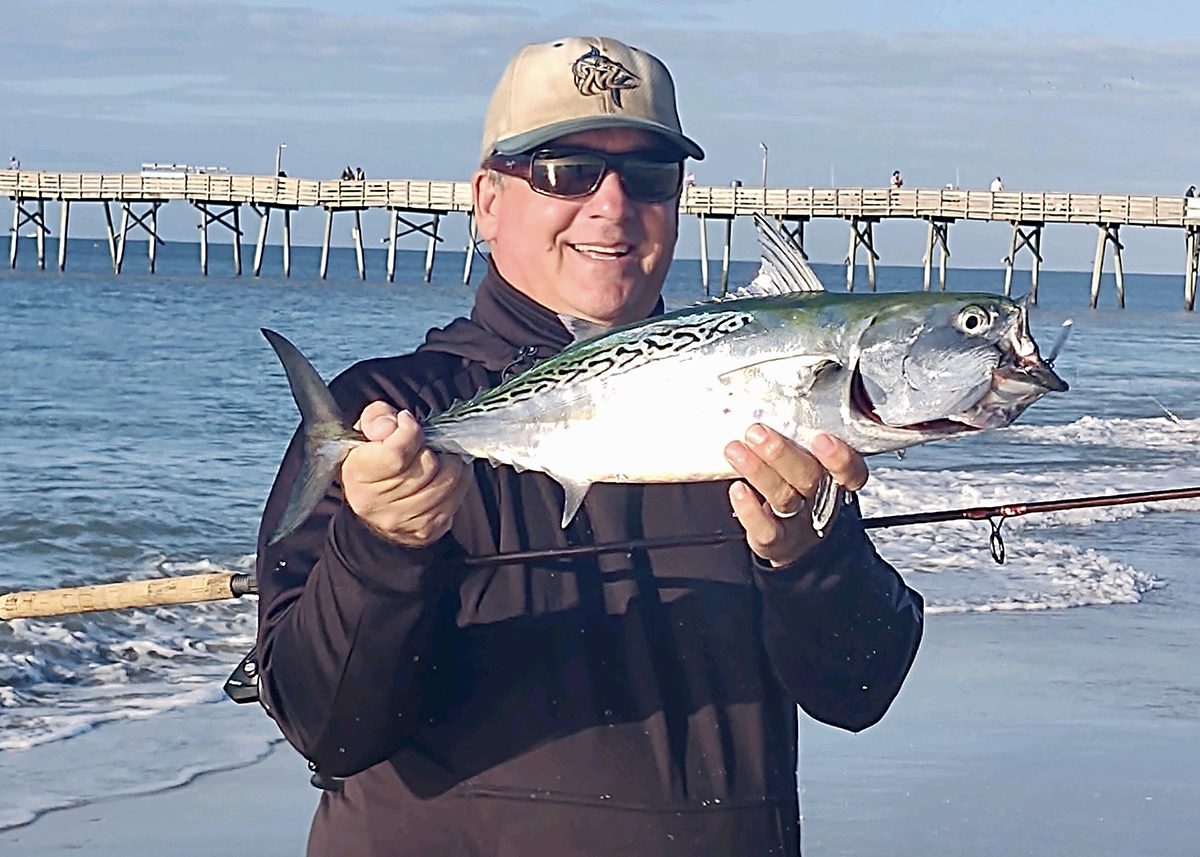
{"points": [[632, 703]]}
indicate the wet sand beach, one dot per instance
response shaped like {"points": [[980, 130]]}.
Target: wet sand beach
{"points": [[1067, 732]]}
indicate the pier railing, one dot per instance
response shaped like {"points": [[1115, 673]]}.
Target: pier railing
{"points": [[945, 203], [448, 196], [219, 196], [421, 194]]}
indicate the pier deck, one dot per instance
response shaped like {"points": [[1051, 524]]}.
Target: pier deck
{"points": [[455, 196], [1027, 212]]}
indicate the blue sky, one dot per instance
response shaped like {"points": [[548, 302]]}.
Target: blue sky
{"points": [[1066, 96]]}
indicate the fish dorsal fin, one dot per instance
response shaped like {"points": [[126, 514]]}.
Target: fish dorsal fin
{"points": [[783, 270], [581, 329]]}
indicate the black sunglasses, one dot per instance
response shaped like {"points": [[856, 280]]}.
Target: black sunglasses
{"points": [[574, 173]]}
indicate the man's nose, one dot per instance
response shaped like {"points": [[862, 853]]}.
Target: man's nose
{"points": [[610, 196]]}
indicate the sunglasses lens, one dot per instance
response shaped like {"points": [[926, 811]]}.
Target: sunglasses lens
{"points": [[567, 175], [651, 181], [579, 174]]}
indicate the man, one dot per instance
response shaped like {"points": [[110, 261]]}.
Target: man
{"points": [[630, 703]]}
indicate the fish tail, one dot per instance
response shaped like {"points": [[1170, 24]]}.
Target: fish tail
{"points": [[326, 437]]}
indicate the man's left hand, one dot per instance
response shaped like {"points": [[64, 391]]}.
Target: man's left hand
{"points": [[785, 477]]}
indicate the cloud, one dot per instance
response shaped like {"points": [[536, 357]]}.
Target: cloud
{"points": [[402, 89]]}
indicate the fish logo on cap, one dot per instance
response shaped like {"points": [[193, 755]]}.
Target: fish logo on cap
{"points": [[596, 74]]}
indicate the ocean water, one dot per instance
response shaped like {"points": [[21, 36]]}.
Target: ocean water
{"points": [[142, 419]]}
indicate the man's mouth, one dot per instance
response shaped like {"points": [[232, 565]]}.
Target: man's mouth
{"points": [[603, 251]]}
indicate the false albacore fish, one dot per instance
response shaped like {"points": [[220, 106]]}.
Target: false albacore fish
{"points": [[657, 401]]}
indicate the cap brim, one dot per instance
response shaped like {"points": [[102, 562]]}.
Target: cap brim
{"points": [[540, 136]]}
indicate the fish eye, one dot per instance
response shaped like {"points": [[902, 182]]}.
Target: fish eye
{"points": [[973, 319]]}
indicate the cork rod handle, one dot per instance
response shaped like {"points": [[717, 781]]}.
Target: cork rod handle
{"points": [[117, 596]]}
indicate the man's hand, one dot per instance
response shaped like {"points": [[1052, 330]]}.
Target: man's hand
{"points": [[403, 491], [785, 478]]}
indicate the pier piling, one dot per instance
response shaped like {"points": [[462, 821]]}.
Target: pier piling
{"points": [[794, 234], [63, 222], [393, 223], [35, 216], [429, 248], [1024, 236], [726, 251], [264, 218], [938, 238], [40, 233], [1108, 232], [1193, 262], [358, 245], [472, 246], [287, 241], [216, 211], [862, 231]]}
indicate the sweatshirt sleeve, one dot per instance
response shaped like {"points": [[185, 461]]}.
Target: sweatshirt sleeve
{"points": [[841, 627], [346, 619]]}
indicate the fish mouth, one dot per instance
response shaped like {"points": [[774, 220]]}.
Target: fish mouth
{"points": [[1016, 384]]}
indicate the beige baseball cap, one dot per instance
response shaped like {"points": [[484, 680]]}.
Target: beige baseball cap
{"points": [[577, 84]]}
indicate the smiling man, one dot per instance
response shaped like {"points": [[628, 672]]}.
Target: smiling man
{"points": [[638, 703]]}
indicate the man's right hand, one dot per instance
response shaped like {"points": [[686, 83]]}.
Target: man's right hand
{"points": [[399, 488]]}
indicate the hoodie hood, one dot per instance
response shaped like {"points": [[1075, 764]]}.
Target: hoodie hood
{"points": [[505, 326], [504, 323]]}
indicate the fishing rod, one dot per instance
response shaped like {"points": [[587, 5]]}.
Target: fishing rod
{"points": [[224, 586], [994, 514]]}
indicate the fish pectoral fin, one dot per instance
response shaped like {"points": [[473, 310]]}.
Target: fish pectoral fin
{"points": [[825, 504], [796, 372], [573, 494]]}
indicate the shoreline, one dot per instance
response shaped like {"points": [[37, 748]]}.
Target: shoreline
{"points": [[220, 811], [275, 745]]}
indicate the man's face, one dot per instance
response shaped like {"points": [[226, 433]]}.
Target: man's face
{"points": [[602, 257]]}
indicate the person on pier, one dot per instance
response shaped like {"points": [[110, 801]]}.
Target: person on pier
{"points": [[638, 703], [897, 180]]}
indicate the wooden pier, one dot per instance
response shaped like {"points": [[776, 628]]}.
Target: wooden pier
{"points": [[419, 205]]}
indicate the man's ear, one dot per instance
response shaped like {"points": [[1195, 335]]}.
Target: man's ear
{"points": [[487, 198]]}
